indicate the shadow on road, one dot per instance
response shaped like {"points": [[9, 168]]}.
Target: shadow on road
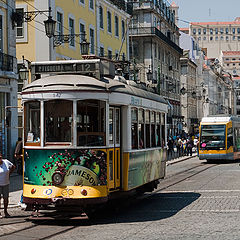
{"points": [[150, 207], [154, 207]]}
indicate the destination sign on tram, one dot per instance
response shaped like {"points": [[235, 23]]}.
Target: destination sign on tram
{"points": [[72, 67]]}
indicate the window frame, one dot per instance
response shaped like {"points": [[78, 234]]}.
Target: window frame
{"points": [[71, 30], [109, 22]]}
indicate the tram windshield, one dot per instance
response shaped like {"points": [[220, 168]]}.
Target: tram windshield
{"points": [[90, 123], [32, 122], [212, 137], [58, 120]]}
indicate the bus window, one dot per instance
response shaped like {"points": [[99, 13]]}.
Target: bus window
{"points": [[58, 120], [229, 137], [90, 123], [212, 137], [32, 122], [134, 116]]}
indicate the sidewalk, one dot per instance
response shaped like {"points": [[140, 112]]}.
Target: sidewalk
{"points": [[15, 189], [180, 159]]}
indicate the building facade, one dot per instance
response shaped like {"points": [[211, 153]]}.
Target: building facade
{"points": [[8, 81], [230, 61], [214, 37], [105, 24], [155, 53]]}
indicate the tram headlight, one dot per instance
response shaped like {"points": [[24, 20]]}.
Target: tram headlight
{"points": [[58, 178], [84, 192]]}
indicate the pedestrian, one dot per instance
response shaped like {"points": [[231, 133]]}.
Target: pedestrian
{"points": [[6, 168], [189, 146], [184, 146], [170, 148], [18, 156], [179, 147]]}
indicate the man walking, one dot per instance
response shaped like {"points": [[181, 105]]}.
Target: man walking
{"points": [[6, 168]]}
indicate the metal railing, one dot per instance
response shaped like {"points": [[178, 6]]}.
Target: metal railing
{"points": [[6, 62], [154, 31]]}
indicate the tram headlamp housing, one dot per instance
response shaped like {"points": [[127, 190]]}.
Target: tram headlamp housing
{"points": [[57, 178], [84, 192]]}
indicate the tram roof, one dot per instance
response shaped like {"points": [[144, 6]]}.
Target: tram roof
{"points": [[71, 82], [220, 118]]}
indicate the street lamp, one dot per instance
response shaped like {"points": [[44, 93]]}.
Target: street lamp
{"points": [[50, 25], [84, 45], [23, 73], [59, 39]]}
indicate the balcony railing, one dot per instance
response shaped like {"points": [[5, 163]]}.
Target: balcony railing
{"points": [[154, 31], [127, 7], [6, 62]]}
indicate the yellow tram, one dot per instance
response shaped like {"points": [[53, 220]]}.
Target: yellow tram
{"points": [[219, 138], [89, 135]]}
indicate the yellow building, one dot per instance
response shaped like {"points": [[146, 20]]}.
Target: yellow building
{"points": [[8, 80], [103, 21]]}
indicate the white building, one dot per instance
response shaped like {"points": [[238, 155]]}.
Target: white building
{"points": [[8, 81], [230, 60], [214, 37]]}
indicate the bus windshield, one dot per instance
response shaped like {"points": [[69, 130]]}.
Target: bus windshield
{"points": [[212, 137]]}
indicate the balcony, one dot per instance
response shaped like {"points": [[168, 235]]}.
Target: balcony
{"points": [[146, 31], [6, 62], [121, 4]]}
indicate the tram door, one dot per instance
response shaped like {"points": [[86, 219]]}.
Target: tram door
{"points": [[114, 150]]}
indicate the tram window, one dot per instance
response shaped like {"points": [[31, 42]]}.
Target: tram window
{"points": [[32, 122], [158, 130], [141, 128], [229, 137], [91, 123], [147, 128], [111, 110], [163, 128], [117, 114], [134, 128], [58, 120], [153, 129]]}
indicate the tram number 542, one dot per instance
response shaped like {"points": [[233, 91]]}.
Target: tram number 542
{"points": [[56, 95]]}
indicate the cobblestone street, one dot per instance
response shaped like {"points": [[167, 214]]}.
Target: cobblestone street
{"points": [[196, 201]]}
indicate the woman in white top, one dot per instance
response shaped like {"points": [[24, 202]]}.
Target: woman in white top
{"points": [[6, 168]]}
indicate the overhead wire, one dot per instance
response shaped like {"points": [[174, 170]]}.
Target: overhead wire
{"points": [[95, 46]]}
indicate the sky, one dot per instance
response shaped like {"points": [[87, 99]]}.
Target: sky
{"points": [[207, 10]]}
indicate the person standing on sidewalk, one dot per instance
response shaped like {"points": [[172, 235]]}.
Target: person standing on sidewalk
{"points": [[6, 168], [189, 146]]}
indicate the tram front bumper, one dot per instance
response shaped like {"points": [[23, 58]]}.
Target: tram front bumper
{"points": [[227, 156], [59, 201]]}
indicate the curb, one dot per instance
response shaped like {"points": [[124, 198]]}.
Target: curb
{"points": [[171, 162]]}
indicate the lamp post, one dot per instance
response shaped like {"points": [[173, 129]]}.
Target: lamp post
{"points": [[59, 39]]}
